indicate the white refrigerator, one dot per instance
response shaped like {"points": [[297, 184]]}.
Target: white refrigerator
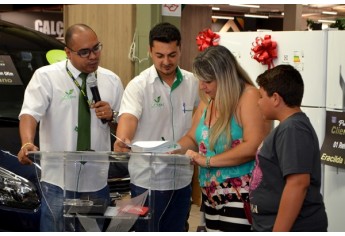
{"points": [[334, 177], [310, 52], [305, 50]]}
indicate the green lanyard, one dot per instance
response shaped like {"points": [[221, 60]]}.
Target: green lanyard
{"points": [[78, 85]]}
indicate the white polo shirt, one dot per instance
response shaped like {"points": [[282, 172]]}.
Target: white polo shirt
{"points": [[162, 111], [51, 97]]}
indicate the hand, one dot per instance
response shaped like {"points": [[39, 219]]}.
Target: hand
{"points": [[103, 110], [23, 157], [177, 151], [196, 158], [120, 145]]}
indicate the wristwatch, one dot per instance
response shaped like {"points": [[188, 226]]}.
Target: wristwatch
{"points": [[114, 118]]}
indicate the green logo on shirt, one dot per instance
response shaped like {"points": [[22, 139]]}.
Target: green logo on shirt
{"points": [[157, 102], [68, 95]]}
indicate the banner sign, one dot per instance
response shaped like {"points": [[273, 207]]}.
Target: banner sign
{"points": [[8, 72], [47, 23], [333, 147]]}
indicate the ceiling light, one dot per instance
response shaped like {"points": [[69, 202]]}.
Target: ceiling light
{"points": [[255, 16], [310, 14], [246, 5], [215, 8], [223, 17], [330, 12], [326, 21]]}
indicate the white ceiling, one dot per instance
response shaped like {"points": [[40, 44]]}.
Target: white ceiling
{"points": [[310, 11]]}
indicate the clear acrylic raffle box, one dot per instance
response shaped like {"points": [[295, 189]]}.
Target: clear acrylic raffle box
{"points": [[82, 188]]}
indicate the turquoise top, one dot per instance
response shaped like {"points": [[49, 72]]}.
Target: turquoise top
{"points": [[220, 174]]}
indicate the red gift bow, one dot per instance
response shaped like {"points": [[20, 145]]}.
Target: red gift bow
{"points": [[265, 50], [206, 38]]}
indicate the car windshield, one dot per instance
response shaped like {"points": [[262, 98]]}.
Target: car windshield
{"points": [[22, 51], [16, 70]]}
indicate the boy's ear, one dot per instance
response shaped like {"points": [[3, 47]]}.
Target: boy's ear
{"points": [[277, 99]]}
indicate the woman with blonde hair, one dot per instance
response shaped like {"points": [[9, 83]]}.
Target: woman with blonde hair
{"points": [[227, 129]]}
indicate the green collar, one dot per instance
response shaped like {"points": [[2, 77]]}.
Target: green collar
{"points": [[178, 80]]}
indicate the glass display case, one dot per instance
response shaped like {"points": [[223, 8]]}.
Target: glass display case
{"points": [[83, 194]]}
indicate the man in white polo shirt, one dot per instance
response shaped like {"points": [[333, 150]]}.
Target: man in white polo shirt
{"points": [[52, 99], [158, 104]]}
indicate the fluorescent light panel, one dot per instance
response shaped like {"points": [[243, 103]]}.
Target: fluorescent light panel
{"points": [[330, 12], [215, 8], [245, 5], [255, 16], [223, 17], [326, 21]]}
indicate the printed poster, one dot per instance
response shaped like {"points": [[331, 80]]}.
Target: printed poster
{"points": [[333, 147]]}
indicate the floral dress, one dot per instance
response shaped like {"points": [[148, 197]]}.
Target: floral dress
{"points": [[223, 187]]}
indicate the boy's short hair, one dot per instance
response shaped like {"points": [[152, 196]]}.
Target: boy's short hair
{"points": [[166, 33], [284, 80]]}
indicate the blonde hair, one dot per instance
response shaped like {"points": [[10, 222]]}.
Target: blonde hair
{"points": [[218, 63]]}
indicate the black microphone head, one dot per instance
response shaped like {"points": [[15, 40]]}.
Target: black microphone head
{"points": [[92, 80], [92, 83]]}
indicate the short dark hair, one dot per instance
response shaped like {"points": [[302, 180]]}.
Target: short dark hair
{"points": [[284, 80], [166, 33]]}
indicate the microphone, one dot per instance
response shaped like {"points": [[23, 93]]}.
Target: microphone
{"points": [[92, 82]]}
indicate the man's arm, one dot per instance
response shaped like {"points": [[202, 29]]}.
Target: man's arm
{"points": [[291, 201], [126, 129], [27, 131]]}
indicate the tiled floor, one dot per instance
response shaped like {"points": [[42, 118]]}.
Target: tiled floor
{"points": [[194, 218]]}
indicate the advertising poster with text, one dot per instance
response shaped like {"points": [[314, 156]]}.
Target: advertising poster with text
{"points": [[333, 147]]}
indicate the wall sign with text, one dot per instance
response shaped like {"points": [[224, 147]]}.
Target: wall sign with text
{"points": [[47, 23], [333, 147]]}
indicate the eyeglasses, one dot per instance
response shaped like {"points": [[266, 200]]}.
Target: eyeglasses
{"points": [[85, 52]]}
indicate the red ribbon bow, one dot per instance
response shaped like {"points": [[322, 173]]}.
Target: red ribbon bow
{"points": [[265, 50], [207, 38]]}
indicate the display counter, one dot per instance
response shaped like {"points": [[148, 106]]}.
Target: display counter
{"points": [[82, 178]]}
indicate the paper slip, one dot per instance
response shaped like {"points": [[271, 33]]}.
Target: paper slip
{"points": [[155, 146]]}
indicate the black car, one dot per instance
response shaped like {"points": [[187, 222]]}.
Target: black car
{"points": [[22, 51], [20, 198]]}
